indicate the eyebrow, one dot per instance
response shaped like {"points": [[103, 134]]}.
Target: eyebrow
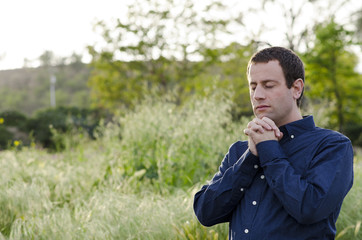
{"points": [[263, 81]]}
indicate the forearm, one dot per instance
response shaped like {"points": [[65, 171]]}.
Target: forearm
{"points": [[215, 202]]}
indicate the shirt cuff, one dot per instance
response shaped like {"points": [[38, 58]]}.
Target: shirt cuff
{"points": [[268, 151], [247, 166]]}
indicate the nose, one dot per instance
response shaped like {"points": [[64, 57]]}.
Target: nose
{"points": [[258, 93]]}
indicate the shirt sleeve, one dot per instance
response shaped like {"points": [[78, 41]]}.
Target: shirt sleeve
{"points": [[320, 191], [215, 202]]}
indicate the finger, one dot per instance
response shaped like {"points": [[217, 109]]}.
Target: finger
{"points": [[270, 122], [246, 131], [280, 137], [262, 123], [273, 126], [249, 132], [255, 127]]}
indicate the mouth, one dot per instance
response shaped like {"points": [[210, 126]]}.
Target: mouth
{"points": [[261, 107]]}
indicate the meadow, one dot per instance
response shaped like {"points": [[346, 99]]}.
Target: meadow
{"points": [[135, 181]]}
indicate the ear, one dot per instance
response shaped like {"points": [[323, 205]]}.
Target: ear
{"points": [[298, 87]]}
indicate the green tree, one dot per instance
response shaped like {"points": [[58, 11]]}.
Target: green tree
{"points": [[225, 68], [331, 73], [157, 48]]}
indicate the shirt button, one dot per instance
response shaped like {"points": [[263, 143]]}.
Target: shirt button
{"points": [[262, 176], [292, 136], [254, 203], [246, 230], [242, 189], [256, 166]]}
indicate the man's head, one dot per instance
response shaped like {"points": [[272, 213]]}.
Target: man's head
{"points": [[290, 63], [276, 83]]}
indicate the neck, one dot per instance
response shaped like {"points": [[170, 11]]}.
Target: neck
{"points": [[295, 116]]}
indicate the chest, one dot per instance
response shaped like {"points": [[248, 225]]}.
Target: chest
{"points": [[300, 153]]}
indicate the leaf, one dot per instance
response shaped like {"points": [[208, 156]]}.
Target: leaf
{"points": [[358, 226], [139, 173], [344, 231]]}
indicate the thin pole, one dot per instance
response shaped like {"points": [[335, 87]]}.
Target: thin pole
{"points": [[53, 79]]}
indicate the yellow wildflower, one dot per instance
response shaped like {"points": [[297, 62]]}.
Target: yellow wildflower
{"points": [[1, 120], [16, 143]]}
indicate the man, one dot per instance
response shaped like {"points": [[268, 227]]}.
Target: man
{"points": [[289, 179]]}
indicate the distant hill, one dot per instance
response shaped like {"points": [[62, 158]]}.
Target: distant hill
{"points": [[28, 89]]}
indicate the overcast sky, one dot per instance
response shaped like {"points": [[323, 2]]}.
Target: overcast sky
{"points": [[30, 27]]}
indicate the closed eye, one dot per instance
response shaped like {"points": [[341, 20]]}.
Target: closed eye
{"points": [[252, 87]]}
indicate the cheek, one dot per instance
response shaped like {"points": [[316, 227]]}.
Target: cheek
{"points": [[286, 95]]}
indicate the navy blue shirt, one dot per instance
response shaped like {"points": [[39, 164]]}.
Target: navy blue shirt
{"points": [[293, 190]]}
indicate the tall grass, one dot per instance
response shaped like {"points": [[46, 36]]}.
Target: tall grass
{"points": [[349, 221], [136, 181], [169, 145]]}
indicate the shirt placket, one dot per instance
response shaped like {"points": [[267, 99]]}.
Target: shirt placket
{"points": [[252, 200]]}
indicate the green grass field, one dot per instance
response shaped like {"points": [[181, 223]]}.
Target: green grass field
{"points": [[136, 181]]}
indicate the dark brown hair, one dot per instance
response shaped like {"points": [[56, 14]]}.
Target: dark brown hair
{"points": [[290, 63]]}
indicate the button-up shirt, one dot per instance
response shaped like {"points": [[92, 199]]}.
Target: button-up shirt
{"points": [[293, 190]]}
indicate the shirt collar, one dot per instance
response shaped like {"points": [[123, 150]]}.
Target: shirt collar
{"points": [[296, 128]]}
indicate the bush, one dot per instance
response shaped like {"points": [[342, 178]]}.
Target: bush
{"points": [[354, 132], [5, 137], [12, 128], [89, 192], [171, 145], [15, 119], [61, 120]]}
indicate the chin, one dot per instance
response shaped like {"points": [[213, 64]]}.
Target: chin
{"points": [[261, 115]]}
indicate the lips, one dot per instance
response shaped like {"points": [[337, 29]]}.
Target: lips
{"points": [[261, 107]]}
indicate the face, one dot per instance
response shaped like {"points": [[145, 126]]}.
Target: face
{"points": [[269, 94]]}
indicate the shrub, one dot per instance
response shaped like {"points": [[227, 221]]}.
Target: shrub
{"points": [[15, 119], [5, 137], [89, 192], [173, 145], [12, 128], [61, 120], [354, 132]]}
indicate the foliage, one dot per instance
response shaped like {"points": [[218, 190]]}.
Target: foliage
{"points": [[171, 145], [46, 123], [84, 193], [13, 118], [354, 131], [12, 128], [350, 219], [330, 71], [5, 137], [191, 230], [163, 55], [48, 126], [125, 72], [27, 89]]}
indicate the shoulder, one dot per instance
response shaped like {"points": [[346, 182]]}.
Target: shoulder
{"points": [[328, 135], [333, 142]]}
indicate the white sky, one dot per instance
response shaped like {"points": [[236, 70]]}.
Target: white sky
{"points": [[30, 27]]}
